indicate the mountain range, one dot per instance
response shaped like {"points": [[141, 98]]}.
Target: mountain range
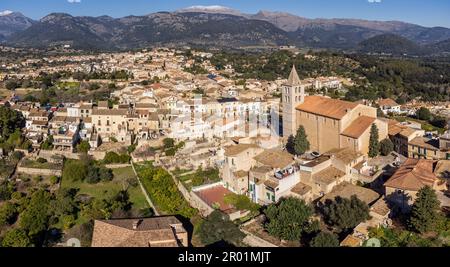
{"points": [[221, 27]]}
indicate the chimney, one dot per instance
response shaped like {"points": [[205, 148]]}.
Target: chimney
{"points": [[136, 224]]}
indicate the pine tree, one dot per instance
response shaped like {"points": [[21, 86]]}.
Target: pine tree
{"points": [[374, 145], [425, 211], [290, 145], [301, 143]]}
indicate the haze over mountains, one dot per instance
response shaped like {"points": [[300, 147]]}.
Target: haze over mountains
{"points": [[221, 27]]}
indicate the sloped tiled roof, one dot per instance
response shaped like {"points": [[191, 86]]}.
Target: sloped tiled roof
{"points": [[327, 107], [358, 127], [158, 231], [274, 158], [387, 102], [234, 150], [413, 175]]}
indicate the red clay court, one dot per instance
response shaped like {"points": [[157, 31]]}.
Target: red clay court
{"points": [[215, 195]]}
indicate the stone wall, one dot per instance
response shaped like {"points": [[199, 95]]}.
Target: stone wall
{"points": [[49, 154], [117, 166], [43, 172]]}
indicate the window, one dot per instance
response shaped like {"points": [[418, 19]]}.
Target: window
{"points": [[268, 196]]}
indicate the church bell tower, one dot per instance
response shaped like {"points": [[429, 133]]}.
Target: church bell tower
{"points": [[293, 94]]}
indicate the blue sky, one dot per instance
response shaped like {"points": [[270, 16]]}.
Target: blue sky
{"points": [[423, 12]]}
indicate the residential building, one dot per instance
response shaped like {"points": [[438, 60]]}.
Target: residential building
{"points": [[402, 188], [389, 106], [149, 232]]}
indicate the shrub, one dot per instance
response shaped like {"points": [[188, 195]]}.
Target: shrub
{"points": [[386, 147], [105, 174], [325, 240], [54, 180], [41, 160], [74, 170]]}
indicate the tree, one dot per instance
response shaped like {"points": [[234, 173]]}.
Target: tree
{"points": [[386, 147], [423, 114], [16, 238], [8, 214], [10, 121], [34, 219], [346, 213], [168, 143], [6, 190], [113, 157], [92, 176], [290, 145], [301, 143], [105, 174], [74, 170], [374, 145], [217, 227], [48, 143], [288, 219], [425, 211], [324, 240], [83, 147]]}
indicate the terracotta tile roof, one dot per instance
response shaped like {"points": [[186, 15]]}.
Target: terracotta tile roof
{"points": [[274, 158], [394, 129], [413, 175], [328, 175], [272, 183], [351, 241], [301, 189], [430, 144], [231, 151], [346, 155], [407, 132], [145, 105], [317, 161], [347, 190], [103, 104], [381, 207], [326, 107], [387, 103], [110, 112], [148, 232], [358, 127]]}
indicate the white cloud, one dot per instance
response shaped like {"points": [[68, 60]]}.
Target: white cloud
{"points": [[74, 1], [374, 1]]}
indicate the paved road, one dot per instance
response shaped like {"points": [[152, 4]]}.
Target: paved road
{"points": [[145, 191]]}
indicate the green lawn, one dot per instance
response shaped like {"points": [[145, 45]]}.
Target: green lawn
{"points": [[109, 189]]}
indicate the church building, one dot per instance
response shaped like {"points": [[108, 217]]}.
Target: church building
{"points": [[329, 123]]}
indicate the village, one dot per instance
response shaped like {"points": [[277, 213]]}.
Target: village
{"points": [[234, 146]]}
